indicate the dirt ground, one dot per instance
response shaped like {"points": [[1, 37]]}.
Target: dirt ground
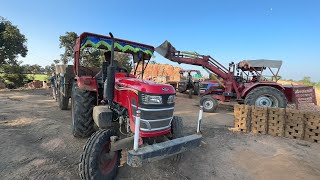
{"points": [[36, 143]]}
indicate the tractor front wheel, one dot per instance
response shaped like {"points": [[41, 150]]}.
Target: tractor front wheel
{"points": [[266, 96], [177, 132], [97, 161], [209, 103], [82, 104]]}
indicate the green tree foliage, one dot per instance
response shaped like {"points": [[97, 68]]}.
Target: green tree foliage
{"points": [[49, 69], [124, 59], [12, 73], [307, 81], [33, 70], [67, 42], [12, 43]]}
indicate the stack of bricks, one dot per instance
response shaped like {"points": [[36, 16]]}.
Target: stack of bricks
{"points": [[312, 128], [276, 121], [242, 118], [294, 124], [259, 117]]}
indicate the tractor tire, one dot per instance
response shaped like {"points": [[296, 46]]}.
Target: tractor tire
{"points": [[209, 103], [82, 104], [176, 127], [96, 160], [177, 132], [190, 93], [62, 100], [266, 96]]}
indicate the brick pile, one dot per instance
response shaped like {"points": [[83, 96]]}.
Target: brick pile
{"points": [[276, 121], [259, 117], [242, 114], [312, 127], [294, 127]]}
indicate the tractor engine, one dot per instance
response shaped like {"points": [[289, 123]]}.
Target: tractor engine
{"points": [[155, 102]]}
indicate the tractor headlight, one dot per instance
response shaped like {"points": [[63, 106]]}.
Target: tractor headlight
{"points": [[171, 99], [151, 99]]}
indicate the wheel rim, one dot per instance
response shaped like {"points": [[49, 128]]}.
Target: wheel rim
{"points": [[266, 101], [107, 159], [207, 104]]}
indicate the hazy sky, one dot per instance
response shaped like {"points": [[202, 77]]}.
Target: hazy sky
{"points": [[227, 30]]}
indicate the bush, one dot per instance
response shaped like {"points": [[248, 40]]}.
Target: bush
{"points": [[14, 74]]}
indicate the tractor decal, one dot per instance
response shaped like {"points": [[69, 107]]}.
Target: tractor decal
{"points": [[125, 89], [97, 42]]}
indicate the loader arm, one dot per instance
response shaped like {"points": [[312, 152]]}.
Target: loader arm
{"points": [[169, 52]]}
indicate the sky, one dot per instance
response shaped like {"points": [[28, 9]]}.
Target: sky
{"points": [[227, 30]]}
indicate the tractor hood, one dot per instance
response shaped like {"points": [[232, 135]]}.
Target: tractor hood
{"points": [[144, 85]]}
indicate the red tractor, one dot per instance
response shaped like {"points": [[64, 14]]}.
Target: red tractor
{"points": [[188, 83], [248, 86], [121, 112]]}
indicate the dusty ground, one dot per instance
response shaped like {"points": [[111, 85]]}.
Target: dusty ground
{"points": [[36, 143]]}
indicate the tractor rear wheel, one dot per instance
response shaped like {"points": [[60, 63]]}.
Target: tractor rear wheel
{"points": [[266, 96], [82, 104], [209, 103], [97, 161]]}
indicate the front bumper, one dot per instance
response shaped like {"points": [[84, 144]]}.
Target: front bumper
{"points": [[162, 150]]}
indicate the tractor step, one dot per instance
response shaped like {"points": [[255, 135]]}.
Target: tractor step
{"points": [[162, 150]]}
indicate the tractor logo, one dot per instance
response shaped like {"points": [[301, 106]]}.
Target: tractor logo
{"points": [[165, 89]]}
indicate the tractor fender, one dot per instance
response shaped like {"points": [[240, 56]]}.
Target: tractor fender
{"points": [[259, 84], [87, 83]]}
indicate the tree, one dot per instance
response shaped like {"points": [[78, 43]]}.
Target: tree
{"points": [[12, 42], [67, 42], [49, 69], [12, 73], [124, 59], [307, 81]]}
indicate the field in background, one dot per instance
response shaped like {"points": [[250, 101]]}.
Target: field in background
{"points": [[40, 77]]}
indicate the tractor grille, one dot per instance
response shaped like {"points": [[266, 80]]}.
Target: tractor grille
{"points": [[154, 119]]}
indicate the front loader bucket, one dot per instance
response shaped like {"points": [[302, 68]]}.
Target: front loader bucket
{"points": [[166, 49]]}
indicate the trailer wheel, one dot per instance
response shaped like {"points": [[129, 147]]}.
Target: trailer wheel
{"points": [[177, 132], [266, 96], [97, 161], [63, 101], [209, 103], [82, 104]]}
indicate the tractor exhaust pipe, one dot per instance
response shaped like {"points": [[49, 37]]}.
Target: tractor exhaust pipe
{"points": [[111, 74]]}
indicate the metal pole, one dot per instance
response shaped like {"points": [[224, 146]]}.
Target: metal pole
{"points": [[136, 131], [199, 119]]}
